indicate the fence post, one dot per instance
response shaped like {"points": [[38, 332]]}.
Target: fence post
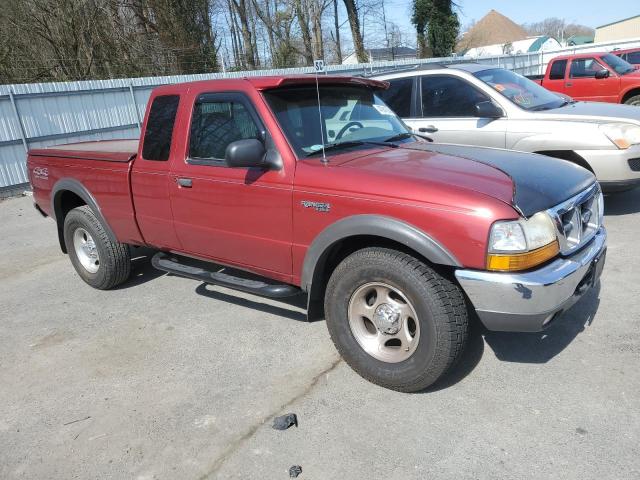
{"points": [[135, 105], [18, 119]]}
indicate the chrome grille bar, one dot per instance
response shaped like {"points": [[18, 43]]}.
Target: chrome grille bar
{"points": [[577, 219]]}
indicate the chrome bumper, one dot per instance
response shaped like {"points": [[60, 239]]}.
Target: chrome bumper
{"points": [[528, 302]]}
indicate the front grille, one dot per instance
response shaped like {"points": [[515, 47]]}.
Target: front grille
{"points": [[578, 219], [634, 164]]}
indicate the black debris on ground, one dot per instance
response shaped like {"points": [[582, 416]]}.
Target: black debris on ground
{"points": [[294, 471], [285, 421]]}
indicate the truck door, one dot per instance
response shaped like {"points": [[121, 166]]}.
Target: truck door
{"points": [[555, 80], [150, 174], [236, 216], [582, 83]]}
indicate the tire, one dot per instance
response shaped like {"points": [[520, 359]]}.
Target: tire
{"points": [[635, 100], [101, 263], [439, 331]]}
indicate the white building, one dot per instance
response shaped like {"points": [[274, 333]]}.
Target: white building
{"points": [[528, 45]]}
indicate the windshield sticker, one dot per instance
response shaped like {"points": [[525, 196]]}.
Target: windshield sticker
{"points": [[499, 87], [383, 109]]}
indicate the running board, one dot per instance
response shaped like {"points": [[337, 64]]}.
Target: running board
{"points": [[164, 262]]}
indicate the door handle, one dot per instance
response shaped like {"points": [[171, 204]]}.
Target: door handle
{"points": [[184, 182], [568, 84], [428, 129]]}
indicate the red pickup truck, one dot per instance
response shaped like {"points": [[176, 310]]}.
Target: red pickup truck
{"points": [[390, 237], [593, 77]]}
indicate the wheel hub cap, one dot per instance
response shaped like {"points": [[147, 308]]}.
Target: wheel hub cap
{"points": [[86, 250], [384, 322], [387, 319]]}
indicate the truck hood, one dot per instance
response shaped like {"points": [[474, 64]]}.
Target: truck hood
{"points": [[528, 182], [595, 112]]}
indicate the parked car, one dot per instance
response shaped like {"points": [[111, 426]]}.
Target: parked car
{"points": [[387, 234], [482, 105], [630, 55], [593, 77]]}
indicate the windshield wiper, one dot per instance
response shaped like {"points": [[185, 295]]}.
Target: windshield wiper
{"points": [[399, 136], [352, 143], [337, 146]]}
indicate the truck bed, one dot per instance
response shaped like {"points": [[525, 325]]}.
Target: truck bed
{"points": [[98, 169], [104, 150]]}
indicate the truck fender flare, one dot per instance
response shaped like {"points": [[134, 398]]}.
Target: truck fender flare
{"points": [[375, 225], [72, 185]]}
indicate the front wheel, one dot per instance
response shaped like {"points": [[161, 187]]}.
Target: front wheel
{"points": [[396, 321], [100, 262]]}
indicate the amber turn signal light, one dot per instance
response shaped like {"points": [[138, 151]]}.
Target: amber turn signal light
{"points": [[522, 261]]}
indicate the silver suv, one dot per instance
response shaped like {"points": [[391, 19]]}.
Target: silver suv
{"points": [[474, 104]]}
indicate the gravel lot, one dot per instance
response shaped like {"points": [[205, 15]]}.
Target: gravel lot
{"points": [[166, 378]]}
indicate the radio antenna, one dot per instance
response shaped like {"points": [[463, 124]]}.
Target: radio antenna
{"points": [[319, 67]]}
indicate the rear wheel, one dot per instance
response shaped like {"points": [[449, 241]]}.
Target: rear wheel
{"points": [[395, 320], [635, 100], [100, 262]]}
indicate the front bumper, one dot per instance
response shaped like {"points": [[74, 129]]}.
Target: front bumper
{"points": [[529, 301], [612, 167]]}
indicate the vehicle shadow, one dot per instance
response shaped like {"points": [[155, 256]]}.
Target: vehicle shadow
{"points": [[141, 269], [622, 203], [540, 347], [535, 348], [297, 301]]}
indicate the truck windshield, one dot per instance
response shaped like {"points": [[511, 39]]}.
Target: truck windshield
{"points": [[520, 90], [351, 117], [619, 65]]}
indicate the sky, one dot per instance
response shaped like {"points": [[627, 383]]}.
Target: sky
{"points": [[592, 13]]}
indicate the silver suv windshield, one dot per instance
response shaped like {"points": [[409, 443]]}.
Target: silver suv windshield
{"points": [[351, 117], [520, 90]]}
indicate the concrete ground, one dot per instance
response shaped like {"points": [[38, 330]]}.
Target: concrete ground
{"points": [[166, 378]]}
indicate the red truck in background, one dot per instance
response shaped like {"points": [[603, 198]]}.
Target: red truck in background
{"points": [[390, 237], [593, 77], [630, 55]]}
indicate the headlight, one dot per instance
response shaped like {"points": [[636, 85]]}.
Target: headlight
{"points": [[623, 135], [521, 244]]}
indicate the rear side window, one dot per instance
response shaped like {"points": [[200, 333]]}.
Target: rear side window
{"points": [[398, 96], [216, 124], [557, 70], [157, 136]]}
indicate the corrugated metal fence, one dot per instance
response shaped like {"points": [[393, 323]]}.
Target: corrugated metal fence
{"points": [[45, 114]]}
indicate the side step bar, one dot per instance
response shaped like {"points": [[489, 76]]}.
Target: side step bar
{"points": [[164, 262]]}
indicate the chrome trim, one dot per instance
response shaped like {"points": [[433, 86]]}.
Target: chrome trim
{"points": [[528, 301], [573, 234]]}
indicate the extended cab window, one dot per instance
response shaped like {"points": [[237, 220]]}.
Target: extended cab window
{"points": [[584, 68], [157, 136], [398, 96], [218, 121], [447, 96], [557, 70]]}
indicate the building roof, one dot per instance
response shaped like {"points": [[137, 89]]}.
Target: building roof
{"points": [[579, 39], [494, 28], [618, 21]]}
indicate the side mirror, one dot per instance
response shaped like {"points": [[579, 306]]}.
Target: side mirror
{"points": [[604, 73], [488, 109], [246, 154]]}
